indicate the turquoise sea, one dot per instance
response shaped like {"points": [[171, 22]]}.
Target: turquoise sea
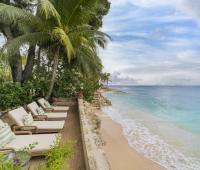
{"points": [[162, 123]]}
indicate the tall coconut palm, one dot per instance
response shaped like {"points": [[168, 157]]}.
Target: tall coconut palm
{"points": [[79, 15], [10, 31], [43, 28], [86, 46], [60, 25]]}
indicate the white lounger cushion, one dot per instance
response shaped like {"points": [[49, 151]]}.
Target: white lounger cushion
{"points": [[49, 124], [45, 103], [6, 134], [28, 119], [1, 123], [44, 141], [33, 108], [18, 114]]}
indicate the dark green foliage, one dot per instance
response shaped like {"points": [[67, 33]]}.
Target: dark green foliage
{"points": [[101, 10], [67, 62], [91, 84], [14, 95], [71, 82]]}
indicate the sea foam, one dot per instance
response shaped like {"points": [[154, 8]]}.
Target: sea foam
{"points": [[151, 145]]}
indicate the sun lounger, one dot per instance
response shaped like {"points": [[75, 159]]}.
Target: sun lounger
{"points": [[9, 141], [39, 112], [46, 105], [19, 115]]}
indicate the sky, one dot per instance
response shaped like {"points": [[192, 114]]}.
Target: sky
{"points": [[154, 42]]}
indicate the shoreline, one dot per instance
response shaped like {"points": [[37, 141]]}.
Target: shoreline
{"points": [[119, 153], [147, 136]]}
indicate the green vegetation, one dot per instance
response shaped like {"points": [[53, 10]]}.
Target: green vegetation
{"points": [[14, 94], [5, 74], [57, 157], [51, 49], [17, 161]]}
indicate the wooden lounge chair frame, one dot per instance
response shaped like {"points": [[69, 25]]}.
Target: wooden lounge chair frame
{"points": [[33, 153], [45, 117], [51, 109], [33, 129]]}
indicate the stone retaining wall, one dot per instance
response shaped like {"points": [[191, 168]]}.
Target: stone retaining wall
{"points": [[94, 155]]}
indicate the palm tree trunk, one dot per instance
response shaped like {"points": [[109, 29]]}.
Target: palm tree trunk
{"points": [[15, 62], [53, 77], [27, 73], [38, 57]]}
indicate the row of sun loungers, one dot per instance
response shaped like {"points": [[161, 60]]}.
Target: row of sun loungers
{"points": [[40, 126], [38, 112]]}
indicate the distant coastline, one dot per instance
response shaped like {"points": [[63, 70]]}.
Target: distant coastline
{"points": [[111, 90], [115, 85]]}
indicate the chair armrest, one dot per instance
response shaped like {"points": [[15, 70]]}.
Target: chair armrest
{"points": [[6, 150], [64, 105], [23, 133], [40, 117], [49, 109], [25, 128]]}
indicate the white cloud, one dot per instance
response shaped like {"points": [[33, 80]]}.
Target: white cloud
{"points": [[190, 7], [118, 79], [139, 63], [155, 42], [144, 3]]}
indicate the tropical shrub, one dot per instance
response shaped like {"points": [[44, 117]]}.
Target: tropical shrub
{"points": [[56, 40], [5, 72], [71, 82], [58, 156], [13, 94]]}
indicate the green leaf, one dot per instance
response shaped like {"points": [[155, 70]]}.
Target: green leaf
{"points": [[46, 10], [60, 35]]}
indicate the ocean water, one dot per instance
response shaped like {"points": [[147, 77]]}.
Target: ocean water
{"points": [[162, 123]]}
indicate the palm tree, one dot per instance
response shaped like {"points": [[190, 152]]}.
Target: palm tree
{"points": [[43, 28], [10, 31], [105, 78], [78, 15], [61, 26]]}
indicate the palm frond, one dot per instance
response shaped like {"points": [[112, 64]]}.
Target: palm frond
{"points": [[88, 61], [83, 12], [31, 38], [75, 12], [12, 15], [46, 10], [60, 35]]}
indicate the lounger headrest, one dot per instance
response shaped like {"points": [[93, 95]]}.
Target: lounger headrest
{"points": [[17, 115]]}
